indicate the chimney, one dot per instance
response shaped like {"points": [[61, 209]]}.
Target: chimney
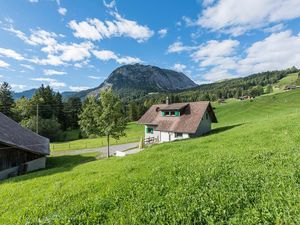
{"points": [[167, 101]]}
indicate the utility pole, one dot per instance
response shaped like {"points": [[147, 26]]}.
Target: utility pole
{"points": [[37, 118]]}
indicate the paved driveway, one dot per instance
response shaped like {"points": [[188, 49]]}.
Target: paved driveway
{"points": [[103, 150]]}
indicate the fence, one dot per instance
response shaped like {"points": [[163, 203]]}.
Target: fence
{"points": [[90, 143]]}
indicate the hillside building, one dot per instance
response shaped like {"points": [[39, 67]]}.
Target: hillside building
{"points": [[169, 122], [21, 150]]}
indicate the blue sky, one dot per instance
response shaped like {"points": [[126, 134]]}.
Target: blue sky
{"points": [[75, 45]]}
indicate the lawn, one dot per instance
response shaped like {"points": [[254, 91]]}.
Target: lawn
{"points": [[246, 172], [288, 80], [133, 131]]}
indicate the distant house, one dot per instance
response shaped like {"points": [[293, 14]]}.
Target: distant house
{"points": [[168, 122], [21, 150], [290, 87], [246, 97]]}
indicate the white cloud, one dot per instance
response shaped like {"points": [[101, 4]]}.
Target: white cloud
{"points": [[95, 29], [18, 33], [178, 47], [217, 53], [94, 77], [53, 72], [33, 1], [62, 11], [179, 67], [56, 84], [275, 28], [82, 64], [51, 60], [11, 54], [188, 21], [236, 18], [76, 52], [38, 37], [106, 55], [65, 53], [217, 74], [52, 82], [42, 79], [128, 60], [27, 66], [3, 64], [277, 51], [110, 5], [207, 2], [1, 76], [163, 32], [18, 86], [78, 88]]}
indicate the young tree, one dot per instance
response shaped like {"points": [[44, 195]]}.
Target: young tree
{"points": [[103, 117], [112, 119], [6, 99], [269, 89]]}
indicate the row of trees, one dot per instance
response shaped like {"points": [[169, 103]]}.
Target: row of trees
{"points": [[47, 114]]}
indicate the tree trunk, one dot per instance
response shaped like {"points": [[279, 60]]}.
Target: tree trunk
{"points": [[107, 146]]}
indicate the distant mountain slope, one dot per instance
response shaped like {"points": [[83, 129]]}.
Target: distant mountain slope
{"points": [[133, 81], [26, 94]]}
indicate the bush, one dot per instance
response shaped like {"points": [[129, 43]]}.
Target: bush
{"points": [[49, 128]]}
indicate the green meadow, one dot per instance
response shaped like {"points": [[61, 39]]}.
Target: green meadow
{"points": [[134, 132], [247, 171]]}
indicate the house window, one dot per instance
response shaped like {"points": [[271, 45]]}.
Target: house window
{"points": [[149, 130], [178, 135], [170, 113], [207, 116]]}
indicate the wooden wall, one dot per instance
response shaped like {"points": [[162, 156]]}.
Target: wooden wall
{"points": [[10, 157]]}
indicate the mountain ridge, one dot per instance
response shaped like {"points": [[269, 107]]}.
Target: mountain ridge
{"points": [[133, 81]]}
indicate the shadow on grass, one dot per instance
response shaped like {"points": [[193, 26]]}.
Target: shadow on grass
{"points": [[55, 164], [222, 129]]}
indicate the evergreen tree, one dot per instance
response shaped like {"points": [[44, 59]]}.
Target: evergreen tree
{"points": [[6, 99], [72, 108]]}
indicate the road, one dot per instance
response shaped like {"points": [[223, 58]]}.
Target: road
{"points": [[103, 150]]}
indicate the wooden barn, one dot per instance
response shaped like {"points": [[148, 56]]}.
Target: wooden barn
{"points": [[21, 150]]}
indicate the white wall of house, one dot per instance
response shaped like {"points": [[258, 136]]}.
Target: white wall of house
{"points": [[171, 136], [156, 133], [205, 125], [33, 165], [165, 136]]}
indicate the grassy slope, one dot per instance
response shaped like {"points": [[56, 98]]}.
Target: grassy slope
{"points": [[288, 80], [134, 133], [246, 172]]}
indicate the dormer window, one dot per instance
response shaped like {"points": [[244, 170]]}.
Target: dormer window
{"points": [[171, 113]]}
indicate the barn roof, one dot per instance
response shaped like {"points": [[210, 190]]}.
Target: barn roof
{"points": [[14, 135], [186, 123]]}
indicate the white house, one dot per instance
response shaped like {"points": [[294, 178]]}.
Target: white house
{"points": [[168, 122]]}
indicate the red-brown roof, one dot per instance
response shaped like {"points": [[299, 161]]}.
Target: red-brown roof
{"points": [[175, 106], [186, 123]]}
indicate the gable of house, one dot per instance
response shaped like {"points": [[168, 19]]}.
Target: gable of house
{"points": [[178, 117]]}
